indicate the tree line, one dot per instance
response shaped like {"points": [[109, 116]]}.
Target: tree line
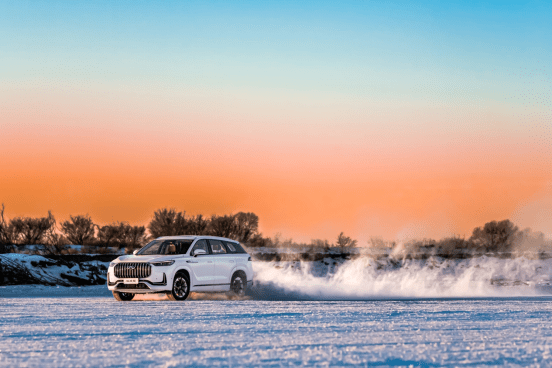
{"points": [[81, 230], [493, 237]]}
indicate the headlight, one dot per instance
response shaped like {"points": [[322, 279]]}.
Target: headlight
{"points": [[161, 264]]}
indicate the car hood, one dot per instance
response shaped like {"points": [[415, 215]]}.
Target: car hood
{"points": [[152, 258]]}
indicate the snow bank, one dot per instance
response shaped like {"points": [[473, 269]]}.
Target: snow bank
{"points": [[35, 269]]}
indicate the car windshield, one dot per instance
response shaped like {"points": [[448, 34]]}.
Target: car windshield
{"points": [[166, 247]]}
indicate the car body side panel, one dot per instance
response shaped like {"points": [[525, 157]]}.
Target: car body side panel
{"points": [[203, 270], [224, 265]]}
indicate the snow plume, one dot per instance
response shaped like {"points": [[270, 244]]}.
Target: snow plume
{"points": [[370, 278]]}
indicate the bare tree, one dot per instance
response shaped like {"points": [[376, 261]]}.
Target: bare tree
{"points": [[134, 236], [5, 234], [167, 222], [111, 235], [31, 230], [246, 225], [121, 235], [319, 243], [197, 225], [4, 238], [345, 241], [222, 225], [79, 229], [54, 243], [241, 226], [495, 236]]}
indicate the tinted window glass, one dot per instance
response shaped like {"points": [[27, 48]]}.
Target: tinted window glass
{"points": [[182, 246], [152, 248], [217, 247], [239, 248], [201, 244], [231, 247], [169, 247]]}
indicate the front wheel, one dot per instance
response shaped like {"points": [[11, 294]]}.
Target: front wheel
{"points": [[181, 288], [123, 297], [238, 284]]}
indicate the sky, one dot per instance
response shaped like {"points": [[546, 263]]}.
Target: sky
{"points": [[380, 119]]}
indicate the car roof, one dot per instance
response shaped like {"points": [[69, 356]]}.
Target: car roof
{"points": [[192, 237]]}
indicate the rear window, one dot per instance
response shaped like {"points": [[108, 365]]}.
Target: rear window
{"points": [[230, 247], [234, 247]]}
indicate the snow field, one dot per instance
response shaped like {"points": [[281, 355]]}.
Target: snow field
{"points": [[53, 332]]}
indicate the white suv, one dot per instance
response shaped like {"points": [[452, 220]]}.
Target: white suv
{"points": [[177, 265]]}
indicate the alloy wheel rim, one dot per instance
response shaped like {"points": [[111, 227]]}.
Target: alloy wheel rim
{"points": [[180, 287], [238, 285]]}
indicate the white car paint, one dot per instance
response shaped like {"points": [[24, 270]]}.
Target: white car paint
{"points": [[208, 272]]}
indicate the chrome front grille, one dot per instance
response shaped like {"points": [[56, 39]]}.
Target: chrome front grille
{"points": [[132, 270]]}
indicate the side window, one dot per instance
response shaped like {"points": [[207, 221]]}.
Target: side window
{"points": [[230, 247], [217, 247], [183, 246], [200, 244], [169, 247], [239, 248]]}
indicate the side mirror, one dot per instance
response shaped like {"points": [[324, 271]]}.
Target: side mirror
{"points": [[136, 251], [199, 252]]}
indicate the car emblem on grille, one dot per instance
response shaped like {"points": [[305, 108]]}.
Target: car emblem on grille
{"points": [[131, 267]]}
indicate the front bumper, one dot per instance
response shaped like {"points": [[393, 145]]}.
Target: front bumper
{"points": [[144, 286]]}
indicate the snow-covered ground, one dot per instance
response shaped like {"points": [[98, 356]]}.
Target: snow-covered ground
{"points": [[335, 312], [84, 331], [35, 269]]}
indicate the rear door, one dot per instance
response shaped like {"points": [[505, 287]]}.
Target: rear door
{"points": [[224, 265], [203, 268]]}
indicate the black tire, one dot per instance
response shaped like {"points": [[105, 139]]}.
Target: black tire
{"points": [[181, 287], [123, 297], [238, 284]]}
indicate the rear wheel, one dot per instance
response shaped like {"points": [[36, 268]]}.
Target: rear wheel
{"points": [[238, 284], [123, 297], [181, 288]]}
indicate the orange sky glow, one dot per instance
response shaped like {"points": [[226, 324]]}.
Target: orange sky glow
{"points": [[376, 120], [395, 185]]}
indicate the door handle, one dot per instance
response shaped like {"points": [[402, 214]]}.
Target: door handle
{"points": [[192, 262], [232, 261], [209, 261]]}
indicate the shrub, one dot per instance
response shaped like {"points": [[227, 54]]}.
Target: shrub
{"points": [[257, 241], [241, 226], [221, 226], [345, 241], [79, 230], [495, 236], [31, 231], [121, 235], [134, 237], [197, 225], [167, 222], [111, 235]]}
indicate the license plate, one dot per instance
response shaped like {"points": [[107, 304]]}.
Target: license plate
{"points": [[130, 281]]}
